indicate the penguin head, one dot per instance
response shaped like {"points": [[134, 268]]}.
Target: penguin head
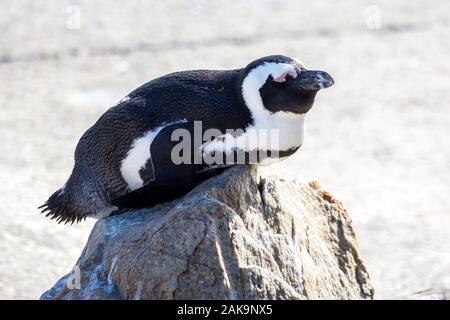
{"points": [[282, 84]]}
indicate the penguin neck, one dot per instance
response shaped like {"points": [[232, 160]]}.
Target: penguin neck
{"points": [[289, 125]]}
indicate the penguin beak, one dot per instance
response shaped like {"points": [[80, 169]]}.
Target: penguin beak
{"points": [[314, 80]]}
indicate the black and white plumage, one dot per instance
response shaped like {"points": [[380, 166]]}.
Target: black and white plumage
{"points": [[124, 159]]}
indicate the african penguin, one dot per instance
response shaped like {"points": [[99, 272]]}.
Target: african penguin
{"points": [[126, 159]]}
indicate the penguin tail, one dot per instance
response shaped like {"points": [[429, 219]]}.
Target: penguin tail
{"points": [[58, 207]]}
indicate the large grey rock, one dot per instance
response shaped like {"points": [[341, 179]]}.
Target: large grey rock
{"points": [[240, 235]]}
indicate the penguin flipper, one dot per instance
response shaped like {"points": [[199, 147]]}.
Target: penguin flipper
{"points": [[151, 195], [170, 180], [155, 193]]}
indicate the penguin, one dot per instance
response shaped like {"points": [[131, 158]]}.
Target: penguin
{"points": [[251, 115]]}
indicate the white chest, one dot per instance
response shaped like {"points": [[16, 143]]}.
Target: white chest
{"points": [[275, 132]]}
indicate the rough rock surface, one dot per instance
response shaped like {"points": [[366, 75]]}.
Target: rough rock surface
{"points": [[240, 235]]}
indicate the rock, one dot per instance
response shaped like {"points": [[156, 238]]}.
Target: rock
{"points": [[240, 235]]}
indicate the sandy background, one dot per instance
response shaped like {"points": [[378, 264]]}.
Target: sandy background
{"points": [[378, 140]]}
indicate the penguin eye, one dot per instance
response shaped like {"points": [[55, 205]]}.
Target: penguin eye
{"points": [[285, 76]]}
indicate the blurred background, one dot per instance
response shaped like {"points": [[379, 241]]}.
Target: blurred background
{"points": [[378, 139]]}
